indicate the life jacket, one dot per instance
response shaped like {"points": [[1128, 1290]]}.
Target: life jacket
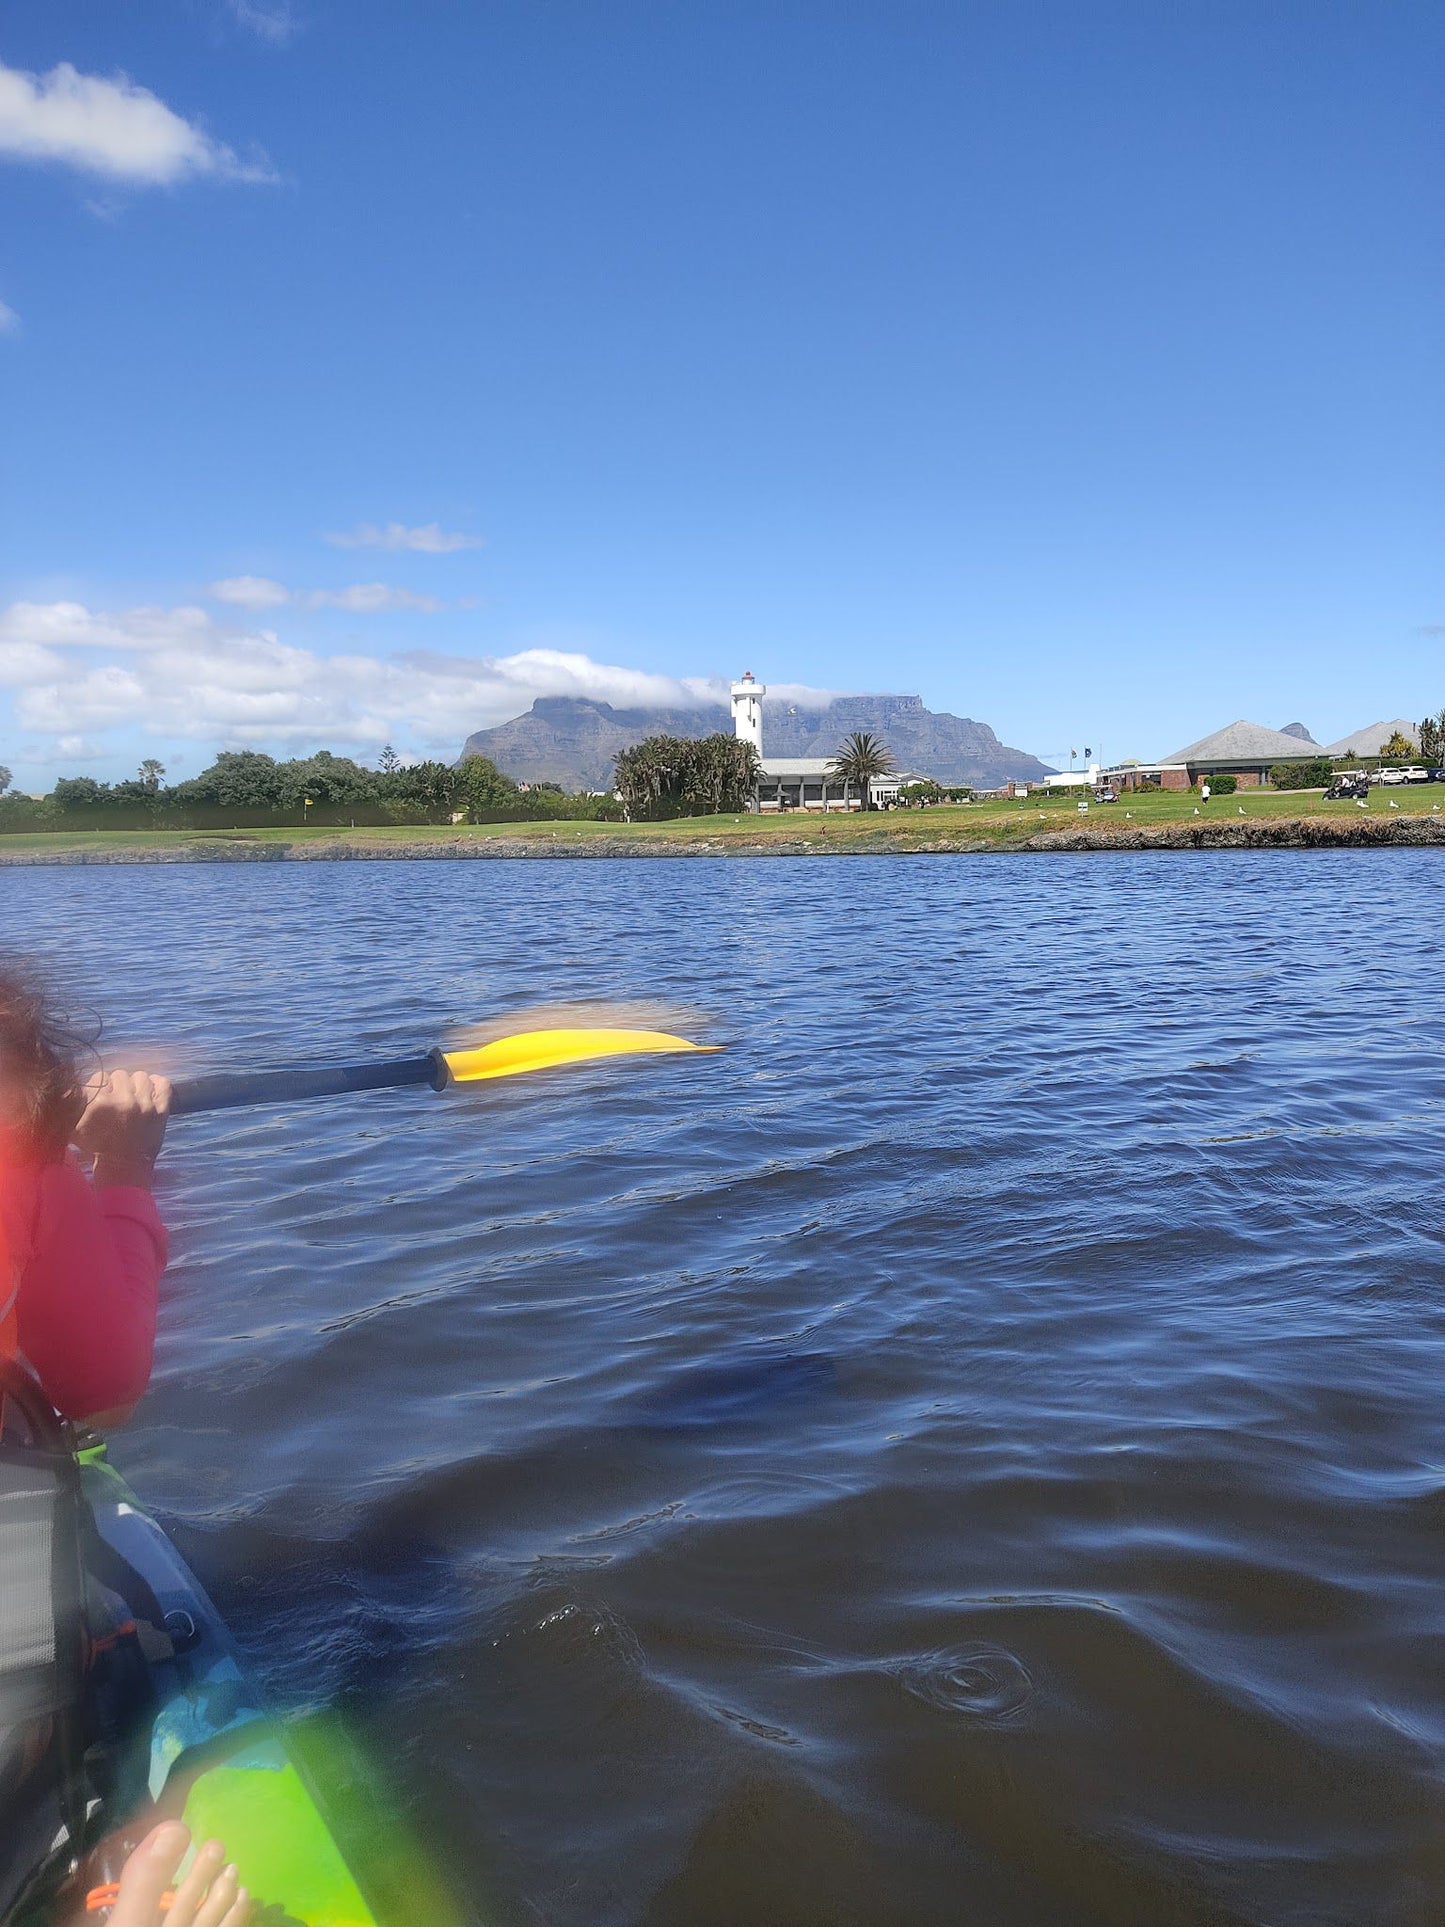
{"points": [[42, 1636]]}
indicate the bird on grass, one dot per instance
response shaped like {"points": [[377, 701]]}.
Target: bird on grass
{"points": [[1196, 812], [1241, 809], [1360, 803], [1393, 804]]}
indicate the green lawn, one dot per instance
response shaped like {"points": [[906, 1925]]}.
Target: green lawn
{"points": [[997, 822], [1176, 807]]}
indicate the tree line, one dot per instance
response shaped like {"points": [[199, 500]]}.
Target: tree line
{"points": [[245, 788]]}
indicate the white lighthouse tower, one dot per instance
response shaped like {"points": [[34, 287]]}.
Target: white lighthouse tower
{"points": [[748, 710]]}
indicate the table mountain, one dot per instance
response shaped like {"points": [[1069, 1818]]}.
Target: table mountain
{"points": [[572, 740]]}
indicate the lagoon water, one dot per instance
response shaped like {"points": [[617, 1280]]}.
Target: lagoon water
{"points": [[972, 1453]]}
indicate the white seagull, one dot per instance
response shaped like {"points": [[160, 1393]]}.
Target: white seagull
{"points": [[1360, 803], [1393, 804]]}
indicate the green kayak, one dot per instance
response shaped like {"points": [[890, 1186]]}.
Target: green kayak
{"points": [[164, 1722], [216, 1759]]}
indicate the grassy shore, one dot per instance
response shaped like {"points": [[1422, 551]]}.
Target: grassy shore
{"points": [[1250, 819]]}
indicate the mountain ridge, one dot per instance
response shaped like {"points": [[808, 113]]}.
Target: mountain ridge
{"points": [[573, 740]]}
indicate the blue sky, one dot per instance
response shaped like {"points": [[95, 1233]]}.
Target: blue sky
{"points": [[1075, 365]]}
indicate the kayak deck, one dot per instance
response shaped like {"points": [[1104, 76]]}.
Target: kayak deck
{"points": [[216, 1758]]}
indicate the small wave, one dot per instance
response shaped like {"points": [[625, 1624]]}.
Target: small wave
{"points": [[983, 1682], [763, 1495]]}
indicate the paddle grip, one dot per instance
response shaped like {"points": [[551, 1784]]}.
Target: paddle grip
{"points": [[227, 1090]]}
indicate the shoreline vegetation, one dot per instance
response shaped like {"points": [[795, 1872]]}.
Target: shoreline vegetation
{"points": [[1247, 820]]}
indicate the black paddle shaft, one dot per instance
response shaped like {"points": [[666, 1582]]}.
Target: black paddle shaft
{"points": [[228, 1089]]}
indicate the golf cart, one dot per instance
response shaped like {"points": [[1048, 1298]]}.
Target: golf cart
{"points": [[1350, 784]]}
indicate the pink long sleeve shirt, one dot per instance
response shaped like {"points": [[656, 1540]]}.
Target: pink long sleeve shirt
{"points": [[86, 1264]]}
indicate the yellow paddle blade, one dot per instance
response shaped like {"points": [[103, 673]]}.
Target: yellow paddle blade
{"points": [[543, 1050]]}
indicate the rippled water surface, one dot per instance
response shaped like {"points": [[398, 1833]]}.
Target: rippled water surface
{"points": [[972, 1453]]}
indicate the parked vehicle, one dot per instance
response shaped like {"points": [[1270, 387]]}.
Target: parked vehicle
{"points": [[1436, 775], [1106, 795], [1414, 774], [1387, 776]]}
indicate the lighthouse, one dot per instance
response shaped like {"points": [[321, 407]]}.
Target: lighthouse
{"points": [[748, 710]]}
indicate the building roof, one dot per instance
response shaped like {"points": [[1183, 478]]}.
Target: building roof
{"points": [[1369, 742], [1242, 742], [797, 766]]}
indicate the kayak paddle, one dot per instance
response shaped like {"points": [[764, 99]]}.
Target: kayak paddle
{"points": [[529, 1050]]}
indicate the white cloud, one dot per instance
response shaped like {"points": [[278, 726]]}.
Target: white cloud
{"points": [[250, 592], [59, 625], [110, 127], [371, 598], [179, 673], [28, 662], [9, 320], [360, 599], [429, 539], [275, 23]]}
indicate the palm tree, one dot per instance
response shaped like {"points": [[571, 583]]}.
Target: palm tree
{"points": [[150, 774], [861, 757]]}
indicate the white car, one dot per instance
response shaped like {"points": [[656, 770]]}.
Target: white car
{"points": [[1387, 776], [1414, 774]]}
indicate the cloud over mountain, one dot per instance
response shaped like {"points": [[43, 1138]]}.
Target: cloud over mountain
{"points": [[180, 672]]}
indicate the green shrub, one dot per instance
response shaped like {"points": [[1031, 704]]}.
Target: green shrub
{"points": [[667, 776], [1315, 775], [1222, 785]]}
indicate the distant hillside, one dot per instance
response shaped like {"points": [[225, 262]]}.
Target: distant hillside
{"points": [[572, 740]]}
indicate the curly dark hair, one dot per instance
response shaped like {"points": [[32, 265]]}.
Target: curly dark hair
{"points": [[42, 1053]]}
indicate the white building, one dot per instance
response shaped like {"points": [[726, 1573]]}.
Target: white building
{"points": [[1071, 779], [796, 782]]}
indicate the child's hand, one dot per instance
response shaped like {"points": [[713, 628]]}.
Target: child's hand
{"points": [[207, 1897], [123, 1125]]}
